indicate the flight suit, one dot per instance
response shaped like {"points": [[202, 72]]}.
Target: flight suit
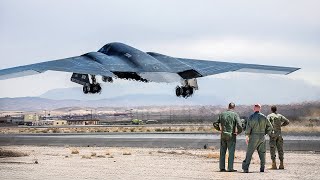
{"points": [[230, 124], [276, 140], [257, 127]]}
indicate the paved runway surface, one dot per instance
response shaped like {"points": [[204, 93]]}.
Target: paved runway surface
{"points": [[150, 140]]}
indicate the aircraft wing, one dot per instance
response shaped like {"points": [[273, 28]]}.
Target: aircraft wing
{"points": [[193, 68], [78, 64]]}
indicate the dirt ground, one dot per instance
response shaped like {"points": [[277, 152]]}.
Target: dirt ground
{"points": [[143, 163]]}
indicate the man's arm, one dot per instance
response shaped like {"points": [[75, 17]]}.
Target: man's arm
{"points": [[248, 127], [284, 121], [269, 127], [269, 117], [238, 124], [216, 124]]}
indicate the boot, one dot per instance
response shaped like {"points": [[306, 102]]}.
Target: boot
{"points": [[274, 164], [281, 165]]}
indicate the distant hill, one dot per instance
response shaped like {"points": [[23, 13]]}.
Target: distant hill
{"points": [[212, 91], [36, 103]]}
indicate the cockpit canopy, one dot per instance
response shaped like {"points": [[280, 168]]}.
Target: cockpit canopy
{"points": [[115, 48]]}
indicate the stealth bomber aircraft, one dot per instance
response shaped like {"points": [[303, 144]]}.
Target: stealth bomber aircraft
{"points": [[118, 60]]}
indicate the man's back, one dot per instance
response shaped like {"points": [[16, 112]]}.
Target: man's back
{"points": [[228, 121], [277, 120], [258, 124]]}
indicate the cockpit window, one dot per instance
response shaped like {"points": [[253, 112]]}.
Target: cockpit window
{"points": [[106, 49], [116, 49]]}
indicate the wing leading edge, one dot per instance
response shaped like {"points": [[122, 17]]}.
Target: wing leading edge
{"points": [[78, 64]]}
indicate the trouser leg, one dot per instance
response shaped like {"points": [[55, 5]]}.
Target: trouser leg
{"points": [[250, 149], [262, 153], [280, 148], [272, 144], [223, 149], [231, 150]]}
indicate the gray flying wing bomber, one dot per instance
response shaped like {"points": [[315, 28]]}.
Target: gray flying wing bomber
{"points": [[118, 60]]}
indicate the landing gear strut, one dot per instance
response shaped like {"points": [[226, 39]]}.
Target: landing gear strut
{"points": [[93, 88], [187, 89]]}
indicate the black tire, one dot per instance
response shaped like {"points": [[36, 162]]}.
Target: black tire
{"points": [[86, 89], [98, 88], [184, 91], [189, 90], [110, 80], [107, 79], [95, 88], [178, 91]]}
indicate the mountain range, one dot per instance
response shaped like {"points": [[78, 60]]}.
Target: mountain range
{"points": [[212, 91]]}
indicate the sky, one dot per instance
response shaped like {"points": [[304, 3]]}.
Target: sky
{"points": [[283, 33]]}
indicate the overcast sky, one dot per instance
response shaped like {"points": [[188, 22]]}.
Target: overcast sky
{"points": [[284, 33]]}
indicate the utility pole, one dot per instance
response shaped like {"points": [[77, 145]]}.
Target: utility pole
{"points": [[137, 114], [69, 113]]}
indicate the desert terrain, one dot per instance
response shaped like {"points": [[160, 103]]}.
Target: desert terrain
{"points": [[143, 163]]}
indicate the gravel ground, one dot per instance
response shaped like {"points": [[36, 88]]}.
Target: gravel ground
{"points": [[144, 163]]}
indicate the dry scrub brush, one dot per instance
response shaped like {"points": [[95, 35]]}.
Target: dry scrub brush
{"points": [[74, 151], [213, 155], [9, 153], [126, 153], [86, 157]]}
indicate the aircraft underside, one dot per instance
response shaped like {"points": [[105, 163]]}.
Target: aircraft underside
{"points": [[91, 86]]}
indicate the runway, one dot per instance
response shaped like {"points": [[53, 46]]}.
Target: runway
{"points": [[148, 140]]}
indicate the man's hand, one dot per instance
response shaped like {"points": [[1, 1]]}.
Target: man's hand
{"points": [[247, 139], [235, 131]]}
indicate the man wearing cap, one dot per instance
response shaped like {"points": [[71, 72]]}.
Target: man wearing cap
{"points": [[276, 140], [257, 127], [230, 125]]}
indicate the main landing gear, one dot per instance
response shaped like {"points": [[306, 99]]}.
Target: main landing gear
{"points": [[93, 87], [187, 89]]}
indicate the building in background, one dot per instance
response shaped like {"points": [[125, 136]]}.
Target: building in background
{"points": [[31, 119], [60, 122], [83, 122], [16, 119]]}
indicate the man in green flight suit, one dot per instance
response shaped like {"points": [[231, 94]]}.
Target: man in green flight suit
{"points": [[276, 140], [257, 127], [230, 125]]}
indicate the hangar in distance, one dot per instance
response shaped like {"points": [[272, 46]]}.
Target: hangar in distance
{"points": [[118, 60]]}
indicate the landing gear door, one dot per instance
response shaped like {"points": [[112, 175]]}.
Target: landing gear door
{"points": [[82, 79], [193, 83], [190, 82]]}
